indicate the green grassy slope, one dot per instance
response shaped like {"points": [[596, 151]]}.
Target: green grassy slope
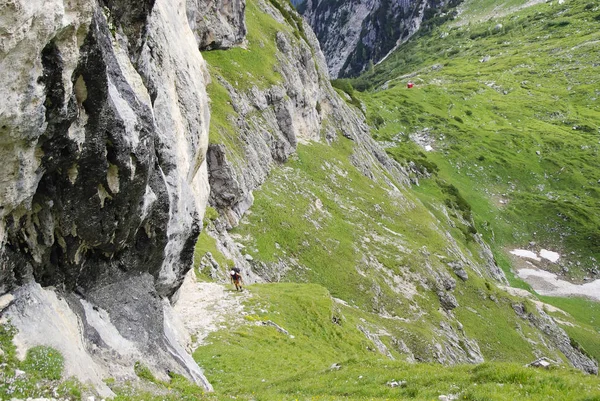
{"points": [[510, 108], [319, 228], [376, 251], [259, 362]]}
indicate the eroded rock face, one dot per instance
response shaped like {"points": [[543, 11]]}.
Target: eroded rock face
{"points": [[104, 135], [354, 33], [217, 24], [557, 337]]}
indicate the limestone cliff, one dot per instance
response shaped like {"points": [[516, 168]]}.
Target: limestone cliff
{"points": [[104, 128], [217, 24], [302, 106], [357, 33], [270, 122]]}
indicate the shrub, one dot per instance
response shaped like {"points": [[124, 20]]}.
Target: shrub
{"points": [[210, 215], [558, 24], [376, 120], [143, 372], [344, 85]]}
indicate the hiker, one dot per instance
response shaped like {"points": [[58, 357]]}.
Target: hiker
{"points": [[236, 278]]}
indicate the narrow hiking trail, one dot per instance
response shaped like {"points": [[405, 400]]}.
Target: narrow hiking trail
{"points": [[207, 307]]}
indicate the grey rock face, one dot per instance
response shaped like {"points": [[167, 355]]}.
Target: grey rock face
{"points": [[558, 337], [379, 345], [459, 270], [491, 267], [104, 136], [354, 33], [456, 346], [447, 300], [217, 24]]}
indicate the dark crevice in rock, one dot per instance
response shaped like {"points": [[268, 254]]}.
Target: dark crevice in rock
{"points": [[131, 16], [83, 222]]}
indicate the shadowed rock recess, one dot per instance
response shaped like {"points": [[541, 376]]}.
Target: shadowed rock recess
{"points": [[104, 131], [217, 24]]}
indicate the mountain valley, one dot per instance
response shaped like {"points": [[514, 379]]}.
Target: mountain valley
{"points": [[386, 224]]}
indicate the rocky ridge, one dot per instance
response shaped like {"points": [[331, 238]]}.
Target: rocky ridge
{"points": [[271, 122]]}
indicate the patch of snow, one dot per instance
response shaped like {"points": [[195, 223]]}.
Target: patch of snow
{"points": [[549, 255], [546, 283], [525, 254], [428, 148]]}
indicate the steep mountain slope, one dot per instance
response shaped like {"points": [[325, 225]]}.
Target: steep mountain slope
{"points": [[356, 34], [509, 111], [333, 209], [506, 111], [355, 276]]}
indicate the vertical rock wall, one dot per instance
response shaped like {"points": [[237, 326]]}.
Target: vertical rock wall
{"points": [[103, 135], [217, 24], [355, 33]]}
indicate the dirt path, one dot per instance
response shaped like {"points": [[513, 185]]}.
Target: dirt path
{"points": [[207, 307]]}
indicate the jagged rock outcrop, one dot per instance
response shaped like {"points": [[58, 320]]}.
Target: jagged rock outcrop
{"points": [[104, 129], [217, 24], [558, 337], [354, 34], [456, 347]]}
